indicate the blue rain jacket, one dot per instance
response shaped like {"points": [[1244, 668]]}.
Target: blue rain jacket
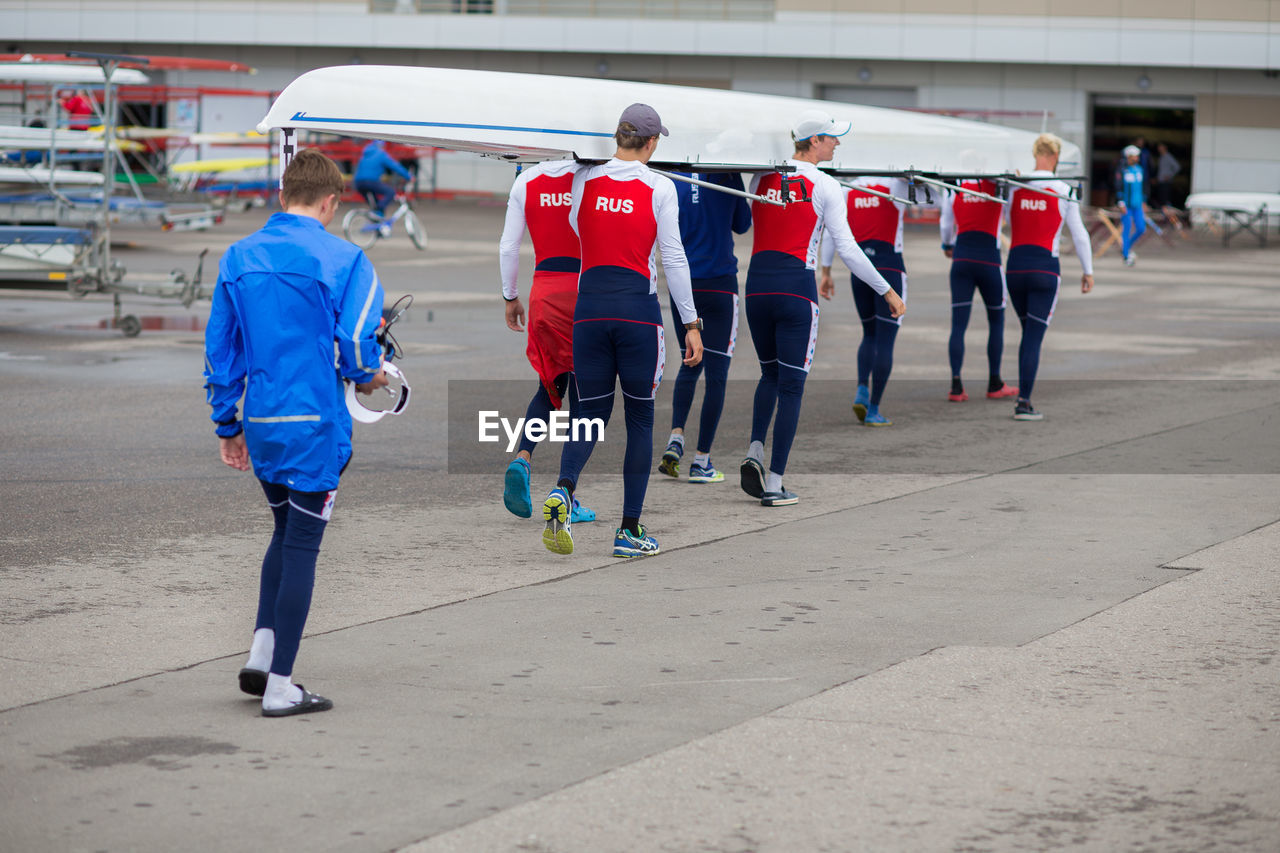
{"points": [[375, 160], [1132, 186], [285, 295]]}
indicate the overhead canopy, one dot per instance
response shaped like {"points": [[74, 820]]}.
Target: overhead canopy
{"points": [[158, 63], [532, 117]]}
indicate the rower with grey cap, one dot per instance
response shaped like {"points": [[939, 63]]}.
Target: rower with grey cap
{"points": [[644, 122]]}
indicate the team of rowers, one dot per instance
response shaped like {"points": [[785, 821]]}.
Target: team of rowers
{"points": [[594, 321]]}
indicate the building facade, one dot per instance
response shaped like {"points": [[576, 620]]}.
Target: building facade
{"points": [[1203, 77]]}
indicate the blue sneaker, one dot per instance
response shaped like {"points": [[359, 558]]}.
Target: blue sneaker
{"points": [[670, 464], [581, 513], [875, 419], [556, 510], [707, 474], [626, 545], [515, 489], [861, 400]]}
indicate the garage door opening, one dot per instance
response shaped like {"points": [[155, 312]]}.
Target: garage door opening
{"points": [[1118, 121]]}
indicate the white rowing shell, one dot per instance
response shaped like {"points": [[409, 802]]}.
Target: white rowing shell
{"points": [[1235, 201], [42, 138], [533, 117], [18, 175]]}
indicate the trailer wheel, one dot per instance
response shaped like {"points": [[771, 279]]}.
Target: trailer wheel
{"points": [[130, 326]]}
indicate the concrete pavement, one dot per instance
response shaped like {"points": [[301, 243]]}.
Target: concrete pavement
{"points": [[971, 634]]}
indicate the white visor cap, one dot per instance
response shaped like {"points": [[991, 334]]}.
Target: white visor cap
{"points": [[391, 400], [813, 123], [1132, 151]]}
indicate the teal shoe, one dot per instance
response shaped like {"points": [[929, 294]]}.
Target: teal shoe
{"points": [[875, 419], [515, 489], [861, 400], [581, 513]]}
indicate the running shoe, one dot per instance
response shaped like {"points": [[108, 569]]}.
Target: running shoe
{"points": [[709, 474], [627, 545], [1024, 412], [860, 402], [670, 464], [581, 513], [515, 489], [875, 419], [782, 498], [752, 473], [1005, 390], [556, 511], [958, 396], [1131, 259]]}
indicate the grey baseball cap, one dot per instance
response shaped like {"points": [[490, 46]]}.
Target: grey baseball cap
{"points": [[645, 119]]}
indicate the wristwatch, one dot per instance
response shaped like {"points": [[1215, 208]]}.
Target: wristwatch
{"points": [[696, 324]]}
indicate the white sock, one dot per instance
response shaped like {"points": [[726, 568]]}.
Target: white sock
{"points": [[281, 693], [264, 646], [677, 438], [756, 451], [773, 482], [702, 460]]}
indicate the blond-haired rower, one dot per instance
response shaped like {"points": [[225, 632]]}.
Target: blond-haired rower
{"points": [[1033, 273]]}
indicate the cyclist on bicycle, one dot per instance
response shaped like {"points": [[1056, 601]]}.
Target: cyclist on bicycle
{"points": [[374, 163]]}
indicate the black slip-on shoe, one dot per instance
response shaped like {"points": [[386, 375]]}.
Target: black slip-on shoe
{"points": [[253, 681], [310, 703], [782, 498], [752, 473]]}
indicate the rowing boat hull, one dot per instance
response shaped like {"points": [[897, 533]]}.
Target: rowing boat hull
{"points": [[530, 117]]}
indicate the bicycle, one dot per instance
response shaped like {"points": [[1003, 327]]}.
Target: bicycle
{"points": [[364, 227]]}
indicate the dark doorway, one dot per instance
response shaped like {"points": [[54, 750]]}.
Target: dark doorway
{"points": [[1118, 121]]}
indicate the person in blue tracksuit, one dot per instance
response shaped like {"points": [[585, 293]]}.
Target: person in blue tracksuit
{"points": [[285, 295], [374, 163], [1133, 199], [708, 220]]}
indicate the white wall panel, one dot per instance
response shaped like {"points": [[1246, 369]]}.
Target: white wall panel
{"points": [[1072, 45], [951, 41], [1245, 143], [1228, 50]]}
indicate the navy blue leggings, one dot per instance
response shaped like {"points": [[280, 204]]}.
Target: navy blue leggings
{"points": [[879, 331], [630, 353], [988, 279], [719, 312], [540, 406], [1034, 295], [784, 329], [381, 192], [289, 567]]}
